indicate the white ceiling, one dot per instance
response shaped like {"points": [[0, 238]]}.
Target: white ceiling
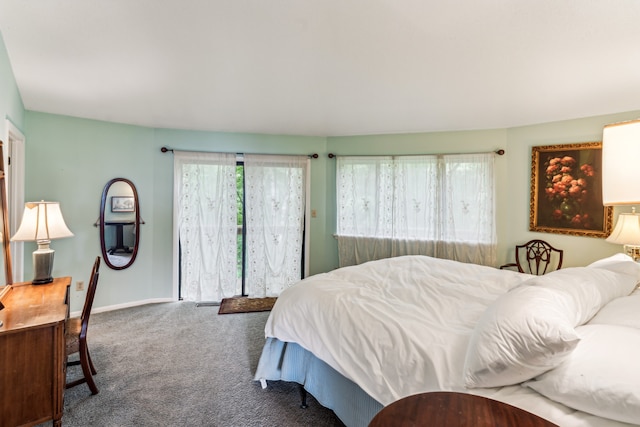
{"points": [[325, 67]]}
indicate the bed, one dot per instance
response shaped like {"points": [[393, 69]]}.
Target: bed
{"points": [[562, 346]]}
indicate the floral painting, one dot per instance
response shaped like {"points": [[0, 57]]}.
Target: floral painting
{"points": [[566, 190]]}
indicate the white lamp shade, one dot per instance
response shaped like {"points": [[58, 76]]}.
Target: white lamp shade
{"points": [[620, 159], [627, 230], [41, 221]]}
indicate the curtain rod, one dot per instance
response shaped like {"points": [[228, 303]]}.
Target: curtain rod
{"points": [[499, 152], [165, 150]]}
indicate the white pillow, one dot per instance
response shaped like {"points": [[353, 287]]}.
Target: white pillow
{"points": [[592, 287], [600, 376], [623, 311], [524, 333], [621, 263], [530, 329]]}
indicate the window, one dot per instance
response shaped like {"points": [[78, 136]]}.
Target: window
{"points": [[438, 205]]}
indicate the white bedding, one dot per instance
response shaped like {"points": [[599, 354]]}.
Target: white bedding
{"points": [[402, 326]]}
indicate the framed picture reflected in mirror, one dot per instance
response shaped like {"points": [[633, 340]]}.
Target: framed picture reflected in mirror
{"points": [[122, 204]]}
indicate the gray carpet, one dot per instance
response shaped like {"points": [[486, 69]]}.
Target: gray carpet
{"points": [[176, 364]]}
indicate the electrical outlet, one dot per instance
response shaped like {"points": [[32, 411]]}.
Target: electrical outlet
{"points": [[79, 285], [314, 213]]}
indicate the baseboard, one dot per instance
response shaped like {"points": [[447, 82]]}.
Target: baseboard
{"points": [[124, 305]]}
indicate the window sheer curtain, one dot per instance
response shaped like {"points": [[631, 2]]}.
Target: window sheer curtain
{"points": [[205, 211], [436, 205], [276, 192]]}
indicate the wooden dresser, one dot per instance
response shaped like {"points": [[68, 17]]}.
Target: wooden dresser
{"points": [[32, 353]]}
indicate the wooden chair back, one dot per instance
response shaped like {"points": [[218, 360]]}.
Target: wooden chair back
{"points": [[88, 302], [76, 335], [537, 257]]}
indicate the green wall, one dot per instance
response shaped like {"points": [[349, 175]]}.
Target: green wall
{"points": [[11, 106], [70, 160], [578, 250], [513, 174], [11, 109]]}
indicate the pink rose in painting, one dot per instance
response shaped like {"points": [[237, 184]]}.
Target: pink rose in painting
{"points": [[576, 220], [575, 191], [558, 187], [587, 170]]}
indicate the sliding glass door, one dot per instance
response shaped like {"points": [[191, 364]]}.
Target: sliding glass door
{"points": [[240, 224]]}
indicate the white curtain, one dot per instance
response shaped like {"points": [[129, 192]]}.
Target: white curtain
{"points": [[205, 211], [364, 192], [275, 206], [440, 205]]}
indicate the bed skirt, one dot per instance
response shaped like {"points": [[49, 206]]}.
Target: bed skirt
{"points": [[281, 361]]}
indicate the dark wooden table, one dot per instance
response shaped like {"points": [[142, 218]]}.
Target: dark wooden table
{"points": [[450, 409]]}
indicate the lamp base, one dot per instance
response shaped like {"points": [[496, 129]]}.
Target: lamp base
{"points": [[42, 263], [633, 251]]}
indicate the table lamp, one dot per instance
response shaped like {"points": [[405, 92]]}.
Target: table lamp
{"points": [[620, 155], [42, 222]]}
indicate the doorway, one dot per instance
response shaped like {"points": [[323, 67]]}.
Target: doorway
{"points": [[14, 165]]}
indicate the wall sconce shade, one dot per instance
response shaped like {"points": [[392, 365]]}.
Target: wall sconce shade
{"points": [[42, 222], [620, 158]]}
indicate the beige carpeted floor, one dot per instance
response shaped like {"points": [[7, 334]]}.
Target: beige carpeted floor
{"points": [[176, 364]]}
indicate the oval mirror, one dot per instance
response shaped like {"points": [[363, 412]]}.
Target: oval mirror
{"points": [[119, 223]]}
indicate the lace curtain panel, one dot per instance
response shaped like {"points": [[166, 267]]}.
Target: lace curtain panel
{"points": [[275, 203], [437, 205], [205, 209]]}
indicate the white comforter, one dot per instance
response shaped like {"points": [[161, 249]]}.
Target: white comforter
{"points": [[387, 321], [401, 326]]}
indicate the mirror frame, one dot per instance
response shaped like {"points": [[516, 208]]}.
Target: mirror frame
{"points": [[103, 206], [6, 243]]}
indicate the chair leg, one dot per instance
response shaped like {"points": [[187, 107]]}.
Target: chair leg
{"points": [[93, 368], [85, 363]]}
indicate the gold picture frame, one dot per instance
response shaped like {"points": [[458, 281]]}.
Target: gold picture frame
{"points": [[566, 190]]}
